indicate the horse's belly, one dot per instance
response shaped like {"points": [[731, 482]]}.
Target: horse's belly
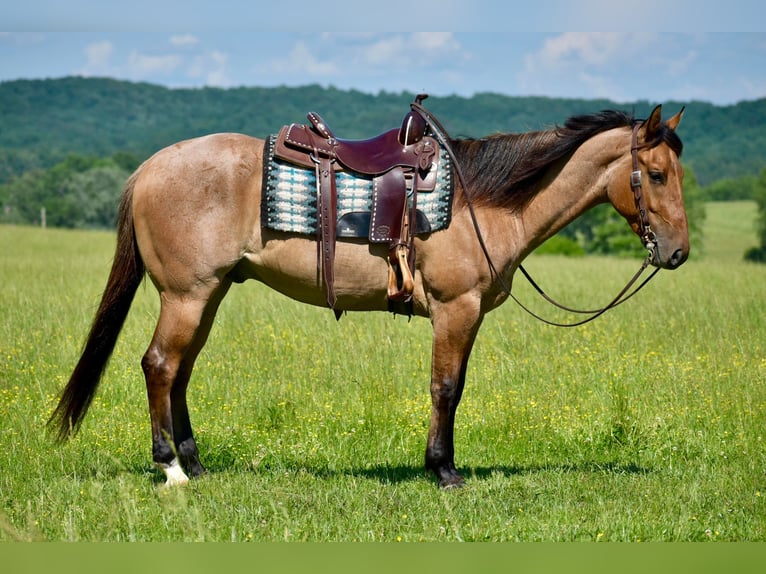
{"points": [[292, 266]]}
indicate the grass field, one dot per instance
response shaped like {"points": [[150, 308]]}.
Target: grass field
{"points": [[646, 425]]}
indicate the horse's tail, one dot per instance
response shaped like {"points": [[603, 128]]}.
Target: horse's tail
{"points": [[124, 278]]}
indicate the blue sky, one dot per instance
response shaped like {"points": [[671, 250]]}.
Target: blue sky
{"points": [[720, 58]]}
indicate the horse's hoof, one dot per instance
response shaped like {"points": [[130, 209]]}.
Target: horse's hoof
{"points": [[450, 479], [452, 484], [196, 470], [174, 474]]}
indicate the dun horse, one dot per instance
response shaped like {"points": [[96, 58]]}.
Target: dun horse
{"points": [[190, 217]]}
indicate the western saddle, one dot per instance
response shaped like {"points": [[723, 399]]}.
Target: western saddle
{"points": [[401, 161]]}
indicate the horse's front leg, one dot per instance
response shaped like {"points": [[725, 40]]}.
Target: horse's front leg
{"points": [[455, 327]]}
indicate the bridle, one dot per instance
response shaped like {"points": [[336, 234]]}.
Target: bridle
{"points": [[647, 235]]}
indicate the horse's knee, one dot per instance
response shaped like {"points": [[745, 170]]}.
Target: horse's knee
{"points": [[446, 393]]}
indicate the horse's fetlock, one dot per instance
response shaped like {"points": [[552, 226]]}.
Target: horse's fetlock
{"points": [[187, 449], [162, 452], [437, 459]]}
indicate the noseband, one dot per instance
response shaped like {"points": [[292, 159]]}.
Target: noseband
{"points": [[648, 238]]}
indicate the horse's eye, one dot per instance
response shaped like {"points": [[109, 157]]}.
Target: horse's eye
{"points": [[656, 177]]}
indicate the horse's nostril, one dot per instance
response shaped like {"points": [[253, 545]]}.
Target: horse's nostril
{"points": [[678, 257]]}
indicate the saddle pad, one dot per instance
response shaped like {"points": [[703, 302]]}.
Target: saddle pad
{"points": [[290, 196]]}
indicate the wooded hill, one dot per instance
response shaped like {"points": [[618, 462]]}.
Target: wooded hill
{"points": [[44, 121]]}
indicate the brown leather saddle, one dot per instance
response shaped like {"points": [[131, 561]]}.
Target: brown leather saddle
{"points": [[402, 161]]}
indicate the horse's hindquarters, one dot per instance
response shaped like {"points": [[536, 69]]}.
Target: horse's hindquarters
{"points": [[196, 209]]}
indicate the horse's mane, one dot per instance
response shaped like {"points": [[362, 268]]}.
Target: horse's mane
{"points": [[504, 169]]}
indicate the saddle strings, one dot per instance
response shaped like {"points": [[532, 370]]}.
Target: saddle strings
{"points": [[621, 297]]}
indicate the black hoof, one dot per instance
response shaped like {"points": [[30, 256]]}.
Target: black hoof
{"points": [[192, 466], [448, 477], [454, 480], [196, 469]]}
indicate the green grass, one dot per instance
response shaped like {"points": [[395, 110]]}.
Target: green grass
{"points": [[647, 424]]}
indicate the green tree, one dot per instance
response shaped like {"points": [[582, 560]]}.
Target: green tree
{"points": [[731, 189], [23, 197], [758, 254], [91, 197], [694, 202], [81, 191]]}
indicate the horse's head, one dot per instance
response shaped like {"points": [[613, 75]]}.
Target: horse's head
{"points": [[647, 190]]}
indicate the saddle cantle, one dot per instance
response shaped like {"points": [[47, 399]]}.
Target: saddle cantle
{"points": [[401, 162]]}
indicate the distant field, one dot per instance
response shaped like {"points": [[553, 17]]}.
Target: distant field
{"points": [[648, 424], [729, 230]]}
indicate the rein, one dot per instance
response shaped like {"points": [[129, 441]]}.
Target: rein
{"points": [[648, 237]]}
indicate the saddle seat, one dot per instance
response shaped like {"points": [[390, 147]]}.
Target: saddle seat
{"points": [[403, 147]]}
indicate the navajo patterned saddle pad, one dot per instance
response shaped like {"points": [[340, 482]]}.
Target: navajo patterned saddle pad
{"points": [[290, 199]]}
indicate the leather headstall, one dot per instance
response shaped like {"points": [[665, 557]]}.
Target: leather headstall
{"points": [[645, 231]]}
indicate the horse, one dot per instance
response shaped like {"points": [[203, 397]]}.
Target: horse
{"points": [[190, 218]]}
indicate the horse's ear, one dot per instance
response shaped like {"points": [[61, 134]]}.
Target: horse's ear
{"points": [[652, 125], [673, 122]]}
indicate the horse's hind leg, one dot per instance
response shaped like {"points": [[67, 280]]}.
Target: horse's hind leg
{"points": [[183, 435], [181, 332]]}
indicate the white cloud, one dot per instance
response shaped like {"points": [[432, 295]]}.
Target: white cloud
{"points": [[302, 60], [373, 61], [435, 41], [383, 50], [575, 64], [585, 48], [185, 40], [98, 54], [98, 59], [144, 65], [414, 49], [212, 68]]}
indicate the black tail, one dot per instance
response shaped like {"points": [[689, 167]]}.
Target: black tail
{"points": [[125, 277]]}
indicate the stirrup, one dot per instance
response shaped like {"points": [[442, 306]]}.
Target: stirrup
{"points": [[399, 273]]}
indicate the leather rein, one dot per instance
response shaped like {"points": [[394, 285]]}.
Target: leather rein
{"points": [[647, 236]]}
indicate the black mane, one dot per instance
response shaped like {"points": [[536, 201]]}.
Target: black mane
{"points": [[505, 169]]}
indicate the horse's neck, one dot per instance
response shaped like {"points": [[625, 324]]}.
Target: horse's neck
{"points": [[574, 187]]}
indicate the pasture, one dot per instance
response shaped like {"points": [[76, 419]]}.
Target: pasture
{"points": [[647, 425]]}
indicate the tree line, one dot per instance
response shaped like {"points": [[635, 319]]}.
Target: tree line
{"points": [[79, 192], [42, 122]]}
